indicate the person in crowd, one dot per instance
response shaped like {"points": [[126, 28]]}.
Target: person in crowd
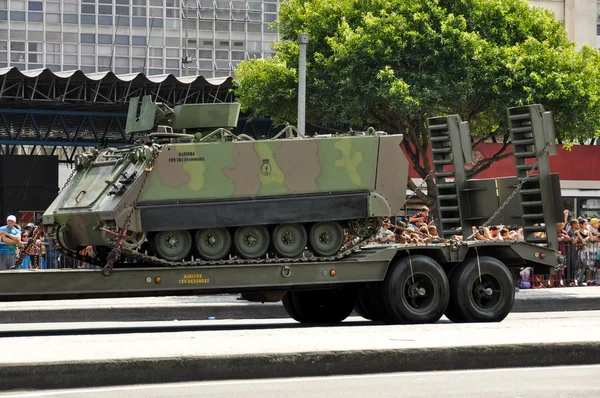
{"points": [[10, 237], [421, 218], [385, 234], [593, 227]]}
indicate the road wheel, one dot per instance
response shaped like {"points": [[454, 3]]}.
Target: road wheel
{"points": [[420, 296], [289, 240], [320, 306], [488, 299], [173, 245], [326, 238], [252, 241], [213, 243]]}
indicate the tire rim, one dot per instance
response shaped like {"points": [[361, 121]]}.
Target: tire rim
{"points": [[173, 245], [327, 238], [487, 294], [213, 243], [420, 294], [252, 241], [289, 240]]}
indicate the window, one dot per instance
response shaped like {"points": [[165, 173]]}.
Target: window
{"points": [[53, 47], [121, 61], [104, 20], [205, 54], [205, 25], [156, 62], [17, 46], [34, 47], [120, 39], [17, 5], [35, 6], [156, 52], [106, 10], [17, 16], [121, 50], [71, 18], [35, 17], [87, 49], [88, 38], [88, 19], [222, 26], [138, 40], [70, 59], [53, 18], [221, 54], [120, 10], [104, 39], [52, 7], [52, 58], [139, 22], [173, 52], [138, 11], [104, 61], [88, 9], [70, 48], [88, 60]]}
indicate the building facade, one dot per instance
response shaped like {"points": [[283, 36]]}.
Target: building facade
{"points": [[580, 18], [181, 37]]}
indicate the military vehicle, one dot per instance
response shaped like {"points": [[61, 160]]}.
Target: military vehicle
{"points": [[192, 185], [197, 191]]}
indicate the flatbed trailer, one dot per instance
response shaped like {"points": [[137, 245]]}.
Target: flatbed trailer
{"points": [[466, 280], [331, 289]]}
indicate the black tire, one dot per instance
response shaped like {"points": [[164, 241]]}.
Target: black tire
{"points": [[423, 301], [369, 302], [360, 307], [320, 306], [450, 313], [468, 298], [288, 305]]}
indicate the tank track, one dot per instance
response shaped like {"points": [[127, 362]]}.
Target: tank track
{"points": [[145, 259]]}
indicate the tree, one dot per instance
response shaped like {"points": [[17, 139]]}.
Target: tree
{"points": [[392, 64]]}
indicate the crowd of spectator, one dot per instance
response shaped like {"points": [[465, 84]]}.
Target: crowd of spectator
{"points": [[18, 246], [578, 239]]}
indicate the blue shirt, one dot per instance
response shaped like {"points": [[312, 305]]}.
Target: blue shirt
{"points": [[7, 248]]}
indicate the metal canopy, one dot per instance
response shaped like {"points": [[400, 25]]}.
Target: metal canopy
{"points": [[41, 110]]}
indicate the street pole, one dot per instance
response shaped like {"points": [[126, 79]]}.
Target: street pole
{"points": [[302, 41]]}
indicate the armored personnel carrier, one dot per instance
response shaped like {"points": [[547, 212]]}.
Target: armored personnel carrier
{"points": [[191, 190]]}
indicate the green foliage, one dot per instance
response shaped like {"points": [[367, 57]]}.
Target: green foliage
{"points": [[394, 63]]}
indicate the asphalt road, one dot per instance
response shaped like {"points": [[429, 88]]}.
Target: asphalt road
{"points": [[223, 307], [575, 381]]}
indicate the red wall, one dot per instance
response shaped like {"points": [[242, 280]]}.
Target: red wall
{"points": [[582, 162]]}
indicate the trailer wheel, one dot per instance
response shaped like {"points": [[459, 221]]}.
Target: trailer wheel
{"points": [[450, 312], [320, 306], [420, 296], [488, 300], [369, 304]]}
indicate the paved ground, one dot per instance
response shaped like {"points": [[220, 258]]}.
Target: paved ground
{"points": [[283, 348], [229, 307]]}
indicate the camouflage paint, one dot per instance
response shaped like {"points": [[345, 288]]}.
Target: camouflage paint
{"points": [[244, 169]]}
